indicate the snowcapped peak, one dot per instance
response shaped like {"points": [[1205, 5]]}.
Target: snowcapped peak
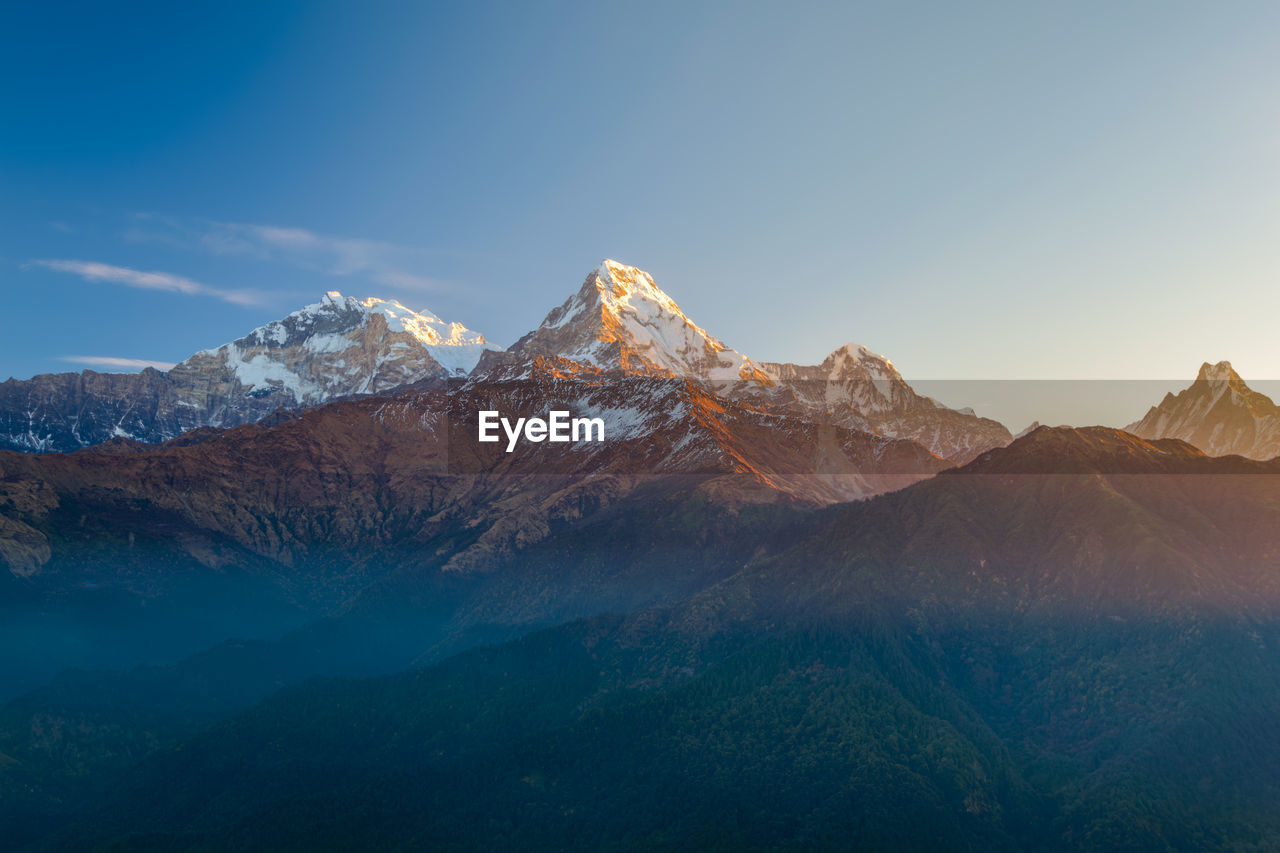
{"points": [[339, 346], [853, 356], [621, 319], [859, 353], [1220, 372], [622, 274], [339, 314], [620, 286], [423, 325]]}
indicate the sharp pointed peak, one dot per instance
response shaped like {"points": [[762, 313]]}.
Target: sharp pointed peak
{"points": [[608, 266], [1220, 372], [618, 273], [619, 289], [618, 281]]}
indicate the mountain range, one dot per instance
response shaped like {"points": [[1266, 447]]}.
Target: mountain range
{"points": [[371, 455], [337, 347], [619, 323], [780, 607]]}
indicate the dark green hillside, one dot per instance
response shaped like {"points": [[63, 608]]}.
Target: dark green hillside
{"points": [[615, 735]]}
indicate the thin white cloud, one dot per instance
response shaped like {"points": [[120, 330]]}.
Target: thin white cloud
{"points": [[291, 238], [376, 261], [406, 281], [94, 271], [112, 361], [380, 262]]}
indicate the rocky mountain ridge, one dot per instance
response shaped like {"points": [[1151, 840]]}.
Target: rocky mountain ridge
{"points": [[619, 322], [859, 389]]}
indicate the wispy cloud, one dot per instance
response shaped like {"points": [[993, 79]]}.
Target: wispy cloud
{"points": [[112, 361], [154, 280], [376, 261]]}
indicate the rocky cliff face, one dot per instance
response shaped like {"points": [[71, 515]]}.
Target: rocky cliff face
{"points": [[66, 411], [1219, 414], [337, 347]]}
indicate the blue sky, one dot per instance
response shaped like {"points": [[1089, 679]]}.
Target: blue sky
{"points": [[982, 190]]}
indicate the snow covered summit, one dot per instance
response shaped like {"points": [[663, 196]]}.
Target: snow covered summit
{"points": [[620, 319], [336, 347]]}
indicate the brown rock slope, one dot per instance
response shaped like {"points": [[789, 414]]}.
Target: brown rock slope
{"points": [[344, 488]]}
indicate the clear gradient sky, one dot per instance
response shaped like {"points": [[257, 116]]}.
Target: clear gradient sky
{"points": [[978, 190]]}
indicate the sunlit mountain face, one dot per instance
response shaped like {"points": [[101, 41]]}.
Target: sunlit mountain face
{"points": [[767, 606], [1219, 413]]}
